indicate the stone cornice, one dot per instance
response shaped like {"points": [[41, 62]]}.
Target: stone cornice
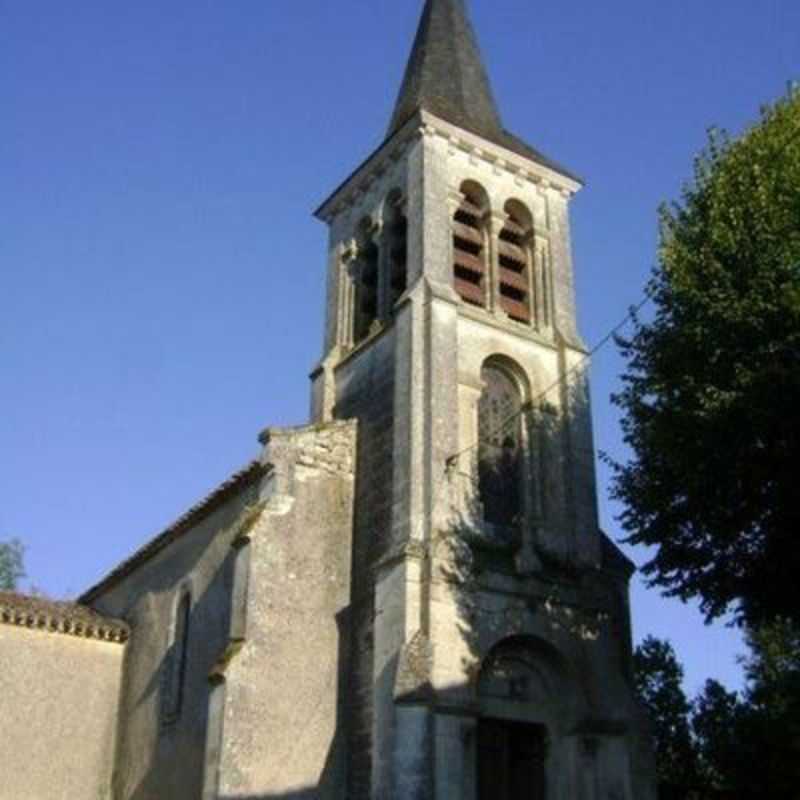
{"points": [[375, 165], [519, 330], [71, 619], [423, 123], [500, 157]]}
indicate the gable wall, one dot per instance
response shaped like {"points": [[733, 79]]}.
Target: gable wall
{"points": [[155, 761], [282, 691], [58, 704]]}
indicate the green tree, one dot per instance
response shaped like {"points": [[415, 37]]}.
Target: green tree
{"points": [[749, 746], [717, 722], [712, 384], [771, 725], [658, 677], [11, 564]]}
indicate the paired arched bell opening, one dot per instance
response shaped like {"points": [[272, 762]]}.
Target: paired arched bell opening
{"points": [[494, 259], [379, 273]]}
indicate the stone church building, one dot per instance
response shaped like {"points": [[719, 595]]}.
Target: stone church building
{"points": [[410, 597]]}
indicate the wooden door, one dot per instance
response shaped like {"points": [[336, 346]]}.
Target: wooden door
{"points": [[511, 761]]}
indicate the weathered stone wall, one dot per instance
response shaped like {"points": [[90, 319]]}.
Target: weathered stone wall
{"points": [[412, 731], [59, 697], [578, 688], [157, 760], [365, 391], [283, 733]]}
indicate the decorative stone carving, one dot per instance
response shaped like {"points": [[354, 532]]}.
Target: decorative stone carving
{"points": [[513, 673], [413, 681]]}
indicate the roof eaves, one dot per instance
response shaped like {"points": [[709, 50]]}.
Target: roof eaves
{"points": [[396, 138], [521, 147], [71, 619], [238, 481], [614, 559]]}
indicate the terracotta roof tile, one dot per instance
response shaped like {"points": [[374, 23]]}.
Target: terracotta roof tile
{"points": [[183, 524], [73, 619]]}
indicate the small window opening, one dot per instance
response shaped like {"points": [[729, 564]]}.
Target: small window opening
{"points": [[175, 661], [398, 252], [514, 259], [366, 280], [469, 246]]}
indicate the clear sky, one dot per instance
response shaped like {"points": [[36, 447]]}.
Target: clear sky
{"points": [[160, 273]]}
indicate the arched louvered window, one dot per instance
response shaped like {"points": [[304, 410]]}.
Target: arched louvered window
{"points": [[397, 238], [514, 259], [500, 453], [470, 263], [175, 660], [366, 283]]}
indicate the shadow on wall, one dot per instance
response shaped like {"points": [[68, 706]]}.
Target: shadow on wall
{"points": [[535, 532], [530, 545], [167, 721], [183, 752], [296, 794], [177, 755]]}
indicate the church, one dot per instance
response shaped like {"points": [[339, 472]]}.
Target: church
{"points": [[409, 598]]}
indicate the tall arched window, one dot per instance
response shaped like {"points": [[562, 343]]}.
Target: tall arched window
{"points": [[175, 660], [470, 263], [500, 476], [366, 283], [514, 258], [397, 240]]}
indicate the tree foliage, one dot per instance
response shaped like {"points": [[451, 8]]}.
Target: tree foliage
{"points": [[658, 677], [727, 744], [11, 564], [771, 719], [712, 384], [717, 722]]}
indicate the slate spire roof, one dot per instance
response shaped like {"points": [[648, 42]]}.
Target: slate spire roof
{"points": [[445, 73], [446, 77]]}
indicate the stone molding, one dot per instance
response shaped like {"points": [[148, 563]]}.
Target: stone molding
{"points": [[497, 155], [413, 679], [424, 124]]}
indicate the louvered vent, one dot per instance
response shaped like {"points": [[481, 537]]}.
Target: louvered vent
{"points": [[367, 291], [469, 253], [513, 261], [398, 255]]}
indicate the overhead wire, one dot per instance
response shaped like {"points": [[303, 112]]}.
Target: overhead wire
{"points": [[452, 460], [562, 379]]}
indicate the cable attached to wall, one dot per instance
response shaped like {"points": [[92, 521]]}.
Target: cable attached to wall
{"points": [[451, 461]]}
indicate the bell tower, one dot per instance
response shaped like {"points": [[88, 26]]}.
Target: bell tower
{"points": [[488, 629]]}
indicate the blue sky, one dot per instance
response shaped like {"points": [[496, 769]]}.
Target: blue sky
{"points": [[160, 273]]}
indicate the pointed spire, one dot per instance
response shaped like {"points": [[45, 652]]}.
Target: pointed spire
{"points": [[445, 73], [446, 76]]}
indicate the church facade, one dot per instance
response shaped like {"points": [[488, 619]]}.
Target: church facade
{"points": [[410, 598]]}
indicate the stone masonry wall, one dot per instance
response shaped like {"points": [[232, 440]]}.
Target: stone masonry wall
{"points": [[156, 760], [59, 697], [365, 391], [279, 719]]}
